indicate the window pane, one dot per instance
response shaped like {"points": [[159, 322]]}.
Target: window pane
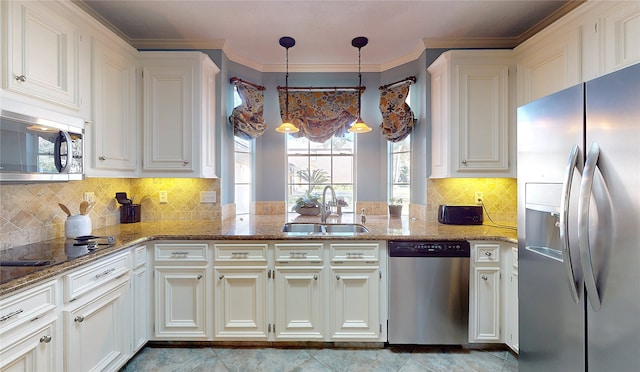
{"points": [[297, 145], [242, 145], [401, 166], [343, 145], [342, 169], [403, 192], [243, 199], [243, 167]]}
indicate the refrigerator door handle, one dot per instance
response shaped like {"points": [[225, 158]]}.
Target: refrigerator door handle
{"points": [[583, 225], [564, 225]]}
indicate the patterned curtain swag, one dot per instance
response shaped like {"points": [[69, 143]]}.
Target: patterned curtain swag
{"points": [[397, 118], [247, 119], [320, 115]]}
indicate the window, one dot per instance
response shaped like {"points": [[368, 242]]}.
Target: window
{"points": [[400, 171], [243, 151], [312, 166]]}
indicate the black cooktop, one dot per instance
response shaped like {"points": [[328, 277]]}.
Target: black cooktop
{"points": [[23, 260]]}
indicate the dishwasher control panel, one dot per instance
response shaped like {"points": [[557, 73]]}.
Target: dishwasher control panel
{"points": [[415, 248]]}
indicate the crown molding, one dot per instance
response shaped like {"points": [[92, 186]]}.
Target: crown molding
{"points": [[476, 43], [177, 43]]}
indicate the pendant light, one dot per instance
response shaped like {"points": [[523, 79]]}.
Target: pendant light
{"points": [[359, 126], [286, 126]]}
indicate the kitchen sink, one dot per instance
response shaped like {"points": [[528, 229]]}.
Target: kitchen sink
{"points": [[351, 228]]}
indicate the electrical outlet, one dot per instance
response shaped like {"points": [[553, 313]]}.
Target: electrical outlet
{"points": [[89, 197], [207, 197], [164, 199], [479, 198]]}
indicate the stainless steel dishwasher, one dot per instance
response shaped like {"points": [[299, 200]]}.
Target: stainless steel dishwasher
{"points": [[428, 292]]}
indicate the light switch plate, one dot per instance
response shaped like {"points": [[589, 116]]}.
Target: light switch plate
{"points": [[207, 197], [164, 199]]}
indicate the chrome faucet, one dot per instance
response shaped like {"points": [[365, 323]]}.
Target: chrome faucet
{"points": [[325, 210]]}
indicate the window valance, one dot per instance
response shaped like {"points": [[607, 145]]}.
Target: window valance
{"points": [[247, 118], [320, 115], [397, 118]]}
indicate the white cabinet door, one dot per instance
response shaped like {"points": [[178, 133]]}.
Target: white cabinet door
{"points": [[621, 36], [180, 305], [43, 58], [484, 325], [241, 303], [97, 332], [354, 305], [113, 134], [178, 114], [511, 337], [548, 62], [34, 352], [299, 303], [141, 317], [471, 114]]}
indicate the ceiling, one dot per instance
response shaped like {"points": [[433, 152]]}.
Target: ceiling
{"points": [[398, 30]]}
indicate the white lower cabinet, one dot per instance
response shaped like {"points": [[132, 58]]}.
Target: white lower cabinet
{"points": [[354, 304], [484, 326], [29, 338], [97, 317], [299, 310], [241, 303], [181, 291], [140, 299], [511, 338], [33, 352]]}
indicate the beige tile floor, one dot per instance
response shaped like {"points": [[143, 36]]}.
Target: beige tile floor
{"points": [[401, 359]]}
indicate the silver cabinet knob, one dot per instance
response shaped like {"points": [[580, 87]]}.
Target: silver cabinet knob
{"points": [[315, 277], [337, 277], [102, 158], [488, 254], [221, 277], [79, 319], [21, 78], [45, 339], [186, 162], [199, 276], [484, 277], [464, 162]]}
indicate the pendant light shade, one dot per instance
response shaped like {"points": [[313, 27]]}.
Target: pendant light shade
{"points": [[359, 126], [286, 126]]}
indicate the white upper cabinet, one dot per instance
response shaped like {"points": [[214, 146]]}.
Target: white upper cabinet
{"points": [[46, 57], [178, 114], [113, 134], [471, 114]]}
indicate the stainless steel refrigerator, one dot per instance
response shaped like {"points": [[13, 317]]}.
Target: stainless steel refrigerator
{"points": [[579, 227]]}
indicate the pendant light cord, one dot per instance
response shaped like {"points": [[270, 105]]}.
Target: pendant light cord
{"points": [[286, 83], [359, 87]]}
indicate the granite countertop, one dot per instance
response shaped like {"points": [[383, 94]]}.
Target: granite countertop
{"points": [[240, 228]]}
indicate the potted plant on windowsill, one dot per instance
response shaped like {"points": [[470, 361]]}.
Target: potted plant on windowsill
{"points": [[395, 207], [309, 204]]}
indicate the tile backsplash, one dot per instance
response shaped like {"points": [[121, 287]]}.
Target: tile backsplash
{"points": [[499, 194], [29, 213]]}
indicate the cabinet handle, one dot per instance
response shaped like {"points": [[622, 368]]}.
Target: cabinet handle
{"points": [[221, 277], [298, 254], [355, 254], [337, 277], [79, 319], [464, 162], [46, 339], [484, 277], [102, 158], [5, 317], [199, 276], [315, 277], [104, 273], [239, 254], [186, 162], [269, 274], [180, 253], [488, 254], [21, 78]]}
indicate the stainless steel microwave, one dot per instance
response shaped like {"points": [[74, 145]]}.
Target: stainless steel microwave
{"points": [[35, 149]]}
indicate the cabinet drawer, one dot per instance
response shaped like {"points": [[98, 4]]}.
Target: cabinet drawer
{"points": [[299, 252], [514, 257], [181, 253], [355, 252], [234, 253], [139, 256], [84, 280], [487, 253], [27, 305]]}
